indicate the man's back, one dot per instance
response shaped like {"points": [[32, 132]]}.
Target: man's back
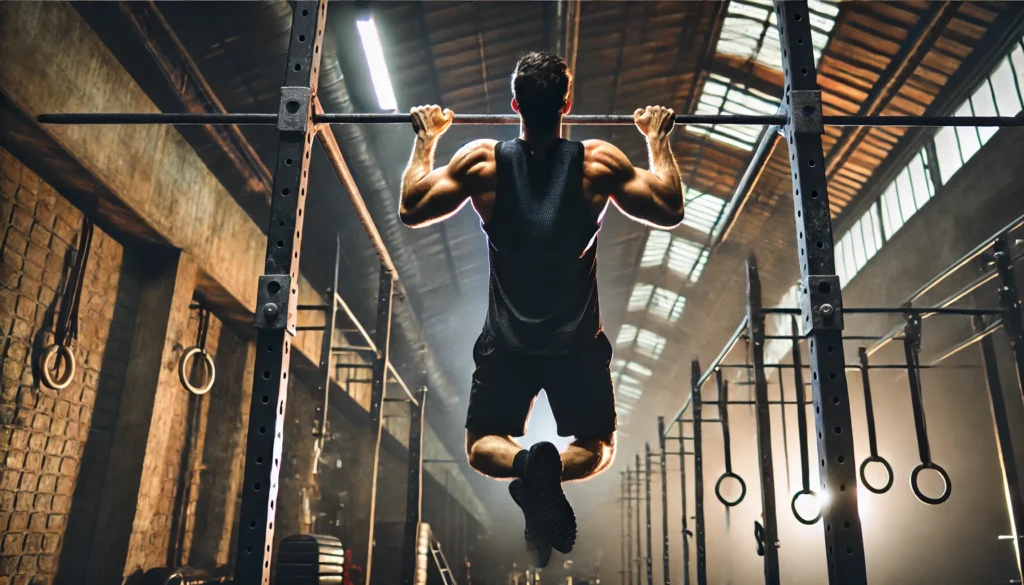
{"points": [[542, 245]]}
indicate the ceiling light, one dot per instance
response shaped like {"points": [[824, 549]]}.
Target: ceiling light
{"points": [[378, 66]]}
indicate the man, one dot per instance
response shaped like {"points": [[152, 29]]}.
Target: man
{"points": [[541, 200]]}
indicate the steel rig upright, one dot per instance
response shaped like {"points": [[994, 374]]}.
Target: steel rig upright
{"points": [[277, 296], [821, 302]]}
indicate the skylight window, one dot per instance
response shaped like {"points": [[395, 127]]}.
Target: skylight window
{"points": [[703, 212], [649, 344], [627, 335], [721, 95], [685, 258], [750, 30], [667, 305], [640, 297], [638, 369], [378, 65]]}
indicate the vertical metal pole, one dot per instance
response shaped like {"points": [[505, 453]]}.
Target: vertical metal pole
{"points": [[1004, 442], [647, 503], [639, 546], [682, 505], [622, 528], [664, 499], [755, 322], [414, 490], [629, 525], [698, 473], [380, 376], [1009, 300], [322, 394], [277, 296], [820, 297]]}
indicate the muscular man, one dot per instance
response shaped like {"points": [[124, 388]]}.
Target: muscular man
{"points": [[541, 200]]}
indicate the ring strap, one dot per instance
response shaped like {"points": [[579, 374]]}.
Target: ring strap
{"points": [[723, 415], [869, 410], [67, 326], [911, 348], [801, 410]]}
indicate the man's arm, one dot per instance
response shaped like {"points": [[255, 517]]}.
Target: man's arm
{"points": [[431, 195], [652, 196]]}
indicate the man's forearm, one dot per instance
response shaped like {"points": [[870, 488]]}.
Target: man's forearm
{"points": [[663, 165], [420, 164]]}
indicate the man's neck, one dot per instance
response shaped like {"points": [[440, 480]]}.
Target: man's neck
{"points": [[539, 140]]}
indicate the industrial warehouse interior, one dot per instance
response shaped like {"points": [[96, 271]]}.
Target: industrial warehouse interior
{"points": [[246, 337]]}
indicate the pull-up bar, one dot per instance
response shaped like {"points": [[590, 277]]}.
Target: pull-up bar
{"points": [[257, 119]]}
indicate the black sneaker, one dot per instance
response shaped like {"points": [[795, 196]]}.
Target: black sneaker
{"points": [[539, 547], [543, 480]]}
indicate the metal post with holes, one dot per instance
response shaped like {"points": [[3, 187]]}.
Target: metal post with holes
{"points": [[639, 555], [664, 498], [682, 505], [277, 296], [382, 334], [629, 526], [698, 474], [647, 503], [755, 324], [820, 297], [1009, 301], [326, 351], [622, 528], [414, 490], [1004, 441]]}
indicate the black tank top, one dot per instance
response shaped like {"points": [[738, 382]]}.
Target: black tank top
{"points": [[542, 245]]}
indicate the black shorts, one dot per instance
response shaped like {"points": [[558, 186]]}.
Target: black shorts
{"points": [[578, 386]]}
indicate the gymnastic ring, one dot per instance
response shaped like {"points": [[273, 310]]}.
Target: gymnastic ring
{"points": [[183, 372], [50, 352], [796, 514], [917, 490], [718, 489], [888, 471]]}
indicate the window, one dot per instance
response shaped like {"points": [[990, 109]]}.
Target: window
{"points": [[667, 305], [685, 258], [640, 297], [749, 30], [904, 196], [999, 95], [703, 212], [378, 66], [638, 369], [649, 344], [721, 95], [627, 335]]}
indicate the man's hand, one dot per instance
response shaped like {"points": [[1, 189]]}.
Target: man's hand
{"points": [[430, 122], [655, 122]]}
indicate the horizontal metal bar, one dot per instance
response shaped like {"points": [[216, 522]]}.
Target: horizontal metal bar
{"points": [[707, 373], [963, 292], [924, 121], [967, 342], [441, 461], [351, 348], [847, 366], [921, 311], [845, 337], [512, 119], [313, 307], [309, 328]]}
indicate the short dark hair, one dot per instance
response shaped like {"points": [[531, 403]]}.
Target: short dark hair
{"points": [[540, 85]]}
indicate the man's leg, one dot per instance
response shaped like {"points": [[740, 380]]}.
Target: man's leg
{"points": [[585, 458], [492, 455]]}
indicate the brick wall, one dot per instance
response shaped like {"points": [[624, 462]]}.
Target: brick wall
{"points": [[54, 445]]}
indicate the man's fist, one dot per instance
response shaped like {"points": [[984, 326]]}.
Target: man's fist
{"points": [[430, 121], [655, 121]]}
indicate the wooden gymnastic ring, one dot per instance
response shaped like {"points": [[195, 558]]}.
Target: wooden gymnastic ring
{"points": [[946, 491], [796, 513], [50, 352], [183, 372]]}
